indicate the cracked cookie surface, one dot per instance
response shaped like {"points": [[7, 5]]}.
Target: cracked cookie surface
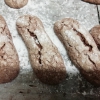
{"points": [[9, 61], [46, 60], [17, 4], [81, 48]]}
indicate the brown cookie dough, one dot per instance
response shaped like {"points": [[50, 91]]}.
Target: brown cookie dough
{"points": [[95, 32], [45, 58], [9, 61], [92, 1], [17, 4], [81, 48]]}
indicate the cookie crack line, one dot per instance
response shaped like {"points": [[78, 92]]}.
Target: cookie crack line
{"points": [[3, 28], [3, 46], [37, 43], [1, 49], [92, 61], [85, 42]]}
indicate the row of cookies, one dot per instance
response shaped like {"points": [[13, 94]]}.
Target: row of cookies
{"points": [[46, 61]]}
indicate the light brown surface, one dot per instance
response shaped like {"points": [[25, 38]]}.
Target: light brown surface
{"points": [[81, 48], [16, 3], [45, 59], [95, 32], [92, 1], [9, 62]]}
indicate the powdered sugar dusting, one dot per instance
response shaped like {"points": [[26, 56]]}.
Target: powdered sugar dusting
{"points": [[49, 11]]}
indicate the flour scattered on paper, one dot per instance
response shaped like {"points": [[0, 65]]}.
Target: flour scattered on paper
{"points": [[49, 11]]}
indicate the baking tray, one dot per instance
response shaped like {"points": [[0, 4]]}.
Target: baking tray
{"points": [[26, 86]]}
